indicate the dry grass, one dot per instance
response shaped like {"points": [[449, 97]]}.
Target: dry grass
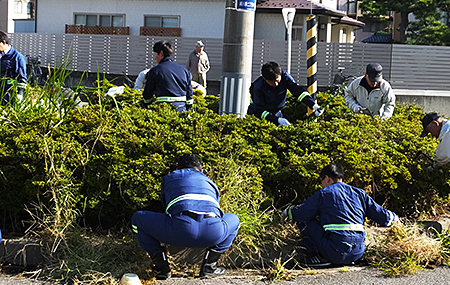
{"points": [[402, 249]]}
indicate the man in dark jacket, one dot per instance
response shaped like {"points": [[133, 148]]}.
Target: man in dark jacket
{"points": [[338, 235], [192, 218], [268, 94], [13, 71], [169, 81]]}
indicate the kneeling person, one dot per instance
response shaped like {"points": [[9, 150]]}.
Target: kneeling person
{"points": [[339, 235], [192, 218]]}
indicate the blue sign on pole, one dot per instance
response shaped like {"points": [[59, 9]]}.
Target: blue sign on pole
{"points": [[249, 5]]}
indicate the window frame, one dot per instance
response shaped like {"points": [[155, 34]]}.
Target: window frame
{"points": [[178, 17], [111, 21]]}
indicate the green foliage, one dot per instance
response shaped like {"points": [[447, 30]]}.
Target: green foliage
{"points": [[426, 30], [83, 164], [429, 30]]}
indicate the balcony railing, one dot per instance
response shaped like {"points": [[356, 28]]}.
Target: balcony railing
{"points": [[160, 32], [98, 30]]}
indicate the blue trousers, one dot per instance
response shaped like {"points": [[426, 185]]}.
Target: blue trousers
{"points": [[153, 228], [337, 249]]}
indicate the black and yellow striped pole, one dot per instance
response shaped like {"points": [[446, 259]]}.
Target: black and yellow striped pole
{"points": [[311, 55]]}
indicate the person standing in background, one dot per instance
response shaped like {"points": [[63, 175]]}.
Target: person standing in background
{"points": [[198, 63]]}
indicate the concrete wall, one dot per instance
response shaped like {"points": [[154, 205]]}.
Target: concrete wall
{"points": [[430, 100], [197, 18], [3, 15]]}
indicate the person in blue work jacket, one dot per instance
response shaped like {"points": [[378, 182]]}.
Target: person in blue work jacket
{"points": [[192, 218], [13, 71], [268, 94], [169, 81], [331, 221]]}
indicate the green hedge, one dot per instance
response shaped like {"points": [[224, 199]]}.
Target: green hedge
{"points": [[110, 158]]}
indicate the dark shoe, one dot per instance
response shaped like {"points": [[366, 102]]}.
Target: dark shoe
{"points": [[315, 261], [209, 265], [161, 265]]}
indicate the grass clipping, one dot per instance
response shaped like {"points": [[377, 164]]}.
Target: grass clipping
{"points": [[402, 249]]}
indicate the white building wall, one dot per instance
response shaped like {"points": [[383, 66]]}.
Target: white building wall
{"points": [[16, 12], [328, 3], [269, 27], [197, 18]]}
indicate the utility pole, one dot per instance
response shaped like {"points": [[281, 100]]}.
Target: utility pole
{"points": [[237, 57]]}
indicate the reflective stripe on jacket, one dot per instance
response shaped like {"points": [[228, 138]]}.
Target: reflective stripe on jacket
{"points": [[342, 209], [190, 190]]}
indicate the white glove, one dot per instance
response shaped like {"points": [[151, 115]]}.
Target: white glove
{"points": [[317, 110], [283, 122], [363, 111]]}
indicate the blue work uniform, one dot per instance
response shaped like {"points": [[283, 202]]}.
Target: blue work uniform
{"points": [[339, 235], [171, 83], [267, 101], [13, 69], [192, 217]]}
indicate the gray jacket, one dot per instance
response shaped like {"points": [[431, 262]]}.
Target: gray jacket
{"points": [[380, 101], [198, 62]]}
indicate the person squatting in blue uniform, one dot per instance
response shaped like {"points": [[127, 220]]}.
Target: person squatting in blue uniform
{"points": [[169, 81], [268, 94], [13, 70], [192, 218], [338, 235]]}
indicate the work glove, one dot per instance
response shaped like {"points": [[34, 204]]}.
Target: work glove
{"points": [[283, 122], [20, 91], [19, 97], [285, 214], [318, 111], [364, 111]]}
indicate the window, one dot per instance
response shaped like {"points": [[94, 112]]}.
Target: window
{"points": [[162, 21], [373, 27], [297, 34], [352, 7], [18, 7], [100, 20]]}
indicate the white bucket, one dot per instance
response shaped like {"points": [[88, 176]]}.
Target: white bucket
{"points": [[130, 279]]}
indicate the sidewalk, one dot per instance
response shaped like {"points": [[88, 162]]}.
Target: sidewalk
{"points": [[335, 276]]}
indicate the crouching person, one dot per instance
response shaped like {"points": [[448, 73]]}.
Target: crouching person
{"points": [[192, 218], [338, 235]]}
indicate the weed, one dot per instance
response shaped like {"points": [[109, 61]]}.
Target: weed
{"points": [[278, 272], [403, 249]]}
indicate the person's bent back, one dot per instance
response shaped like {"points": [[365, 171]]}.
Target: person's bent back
{"points": [[338, 235]]}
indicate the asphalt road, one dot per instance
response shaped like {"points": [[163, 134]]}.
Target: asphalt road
{"points": [[335, 276]]}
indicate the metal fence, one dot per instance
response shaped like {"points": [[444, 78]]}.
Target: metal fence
{"points": [[406, 67]]}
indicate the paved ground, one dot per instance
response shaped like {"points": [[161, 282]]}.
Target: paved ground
{"points": [[336, 276]]}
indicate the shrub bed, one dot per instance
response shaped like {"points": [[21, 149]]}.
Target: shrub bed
{"points": [[98, 165]]}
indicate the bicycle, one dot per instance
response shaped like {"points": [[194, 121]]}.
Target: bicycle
{"points": [[340, 82], [34, 70]]}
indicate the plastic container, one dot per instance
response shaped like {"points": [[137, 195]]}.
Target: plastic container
{"points": [[130, 279]]}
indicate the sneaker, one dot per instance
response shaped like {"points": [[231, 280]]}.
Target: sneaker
{"points": [[315, 261]]}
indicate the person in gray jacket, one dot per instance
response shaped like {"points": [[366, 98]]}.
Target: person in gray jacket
{"points": [[198, 63], [371, 94]]}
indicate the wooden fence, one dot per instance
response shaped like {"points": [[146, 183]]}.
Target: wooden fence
{"points": [[97, 30]]}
